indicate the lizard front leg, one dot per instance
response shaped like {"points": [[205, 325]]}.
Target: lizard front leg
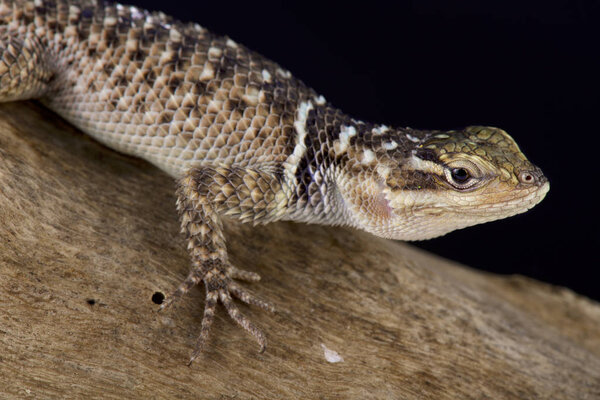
{"points": [[203, 195]]}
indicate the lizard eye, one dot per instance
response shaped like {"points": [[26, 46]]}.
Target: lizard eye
{"points": [[460, 176]]}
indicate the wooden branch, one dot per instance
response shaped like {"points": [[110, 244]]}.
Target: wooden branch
{"points": [[88, 238]]}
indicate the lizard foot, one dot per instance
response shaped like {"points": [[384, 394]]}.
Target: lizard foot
{"points": [[220, 287]]}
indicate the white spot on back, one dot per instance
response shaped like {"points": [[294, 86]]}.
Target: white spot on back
{"points": [[149, 23], [384, 171], [412, 138], [39, 31], [131, 45], [379, 130], [135, 13], [320, 100], [284, 73], [368, 157], [231, 43], [110, 21], [300, 148], [198, 28], [70, 31], [214, 52], [266, 75], [174, 35], [390, 145], [208, 73], [251, 96], [300, 123], [346, 132]]}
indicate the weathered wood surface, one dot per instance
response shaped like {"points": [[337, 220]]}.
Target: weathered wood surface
{"points": [[87, 236]]}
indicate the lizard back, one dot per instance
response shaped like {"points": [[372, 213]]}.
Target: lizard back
{"points": [[153, 87]]}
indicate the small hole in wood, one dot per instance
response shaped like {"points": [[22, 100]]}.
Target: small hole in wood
{"points": [[158, 298]]}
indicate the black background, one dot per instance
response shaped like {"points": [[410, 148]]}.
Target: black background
{"points": [[529, 68]]}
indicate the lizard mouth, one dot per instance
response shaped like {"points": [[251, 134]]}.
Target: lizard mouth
{"points": [[514, 202], [408, 221]]}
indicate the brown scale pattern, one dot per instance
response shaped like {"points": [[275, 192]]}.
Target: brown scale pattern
{"points": [[316, 172], [153, 87]]}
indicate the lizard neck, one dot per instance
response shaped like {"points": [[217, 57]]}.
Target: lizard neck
{"points": [[311, 170], [333, 157]]}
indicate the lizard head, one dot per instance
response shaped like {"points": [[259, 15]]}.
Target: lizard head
{"points": [[423, 184]]}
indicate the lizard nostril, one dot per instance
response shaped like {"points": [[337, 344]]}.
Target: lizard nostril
{"points": [[532, 176], [526, 177]]}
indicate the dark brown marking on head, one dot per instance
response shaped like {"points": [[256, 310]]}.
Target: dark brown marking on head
{"points": [[427, 154], [412, 180]]}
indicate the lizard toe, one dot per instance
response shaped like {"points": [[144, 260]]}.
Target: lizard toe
{"points": [[241, 274], [249, 298], [242, 320]]}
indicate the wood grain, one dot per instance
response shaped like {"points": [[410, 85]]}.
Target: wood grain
{"points": [[88, 236]]}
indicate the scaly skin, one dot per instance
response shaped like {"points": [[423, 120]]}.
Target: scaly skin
{"points": [[246, 139]]}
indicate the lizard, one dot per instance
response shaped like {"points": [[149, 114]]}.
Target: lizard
{"points": [[245, 139]]}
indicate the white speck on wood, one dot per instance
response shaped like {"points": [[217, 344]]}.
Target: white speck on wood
{"points": [[330, 355]]}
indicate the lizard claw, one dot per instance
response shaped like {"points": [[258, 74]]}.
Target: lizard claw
{"points": [[223, 295], [219, 288]]}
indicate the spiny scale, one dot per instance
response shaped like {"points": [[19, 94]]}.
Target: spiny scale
{"points": [[247, 139]]}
